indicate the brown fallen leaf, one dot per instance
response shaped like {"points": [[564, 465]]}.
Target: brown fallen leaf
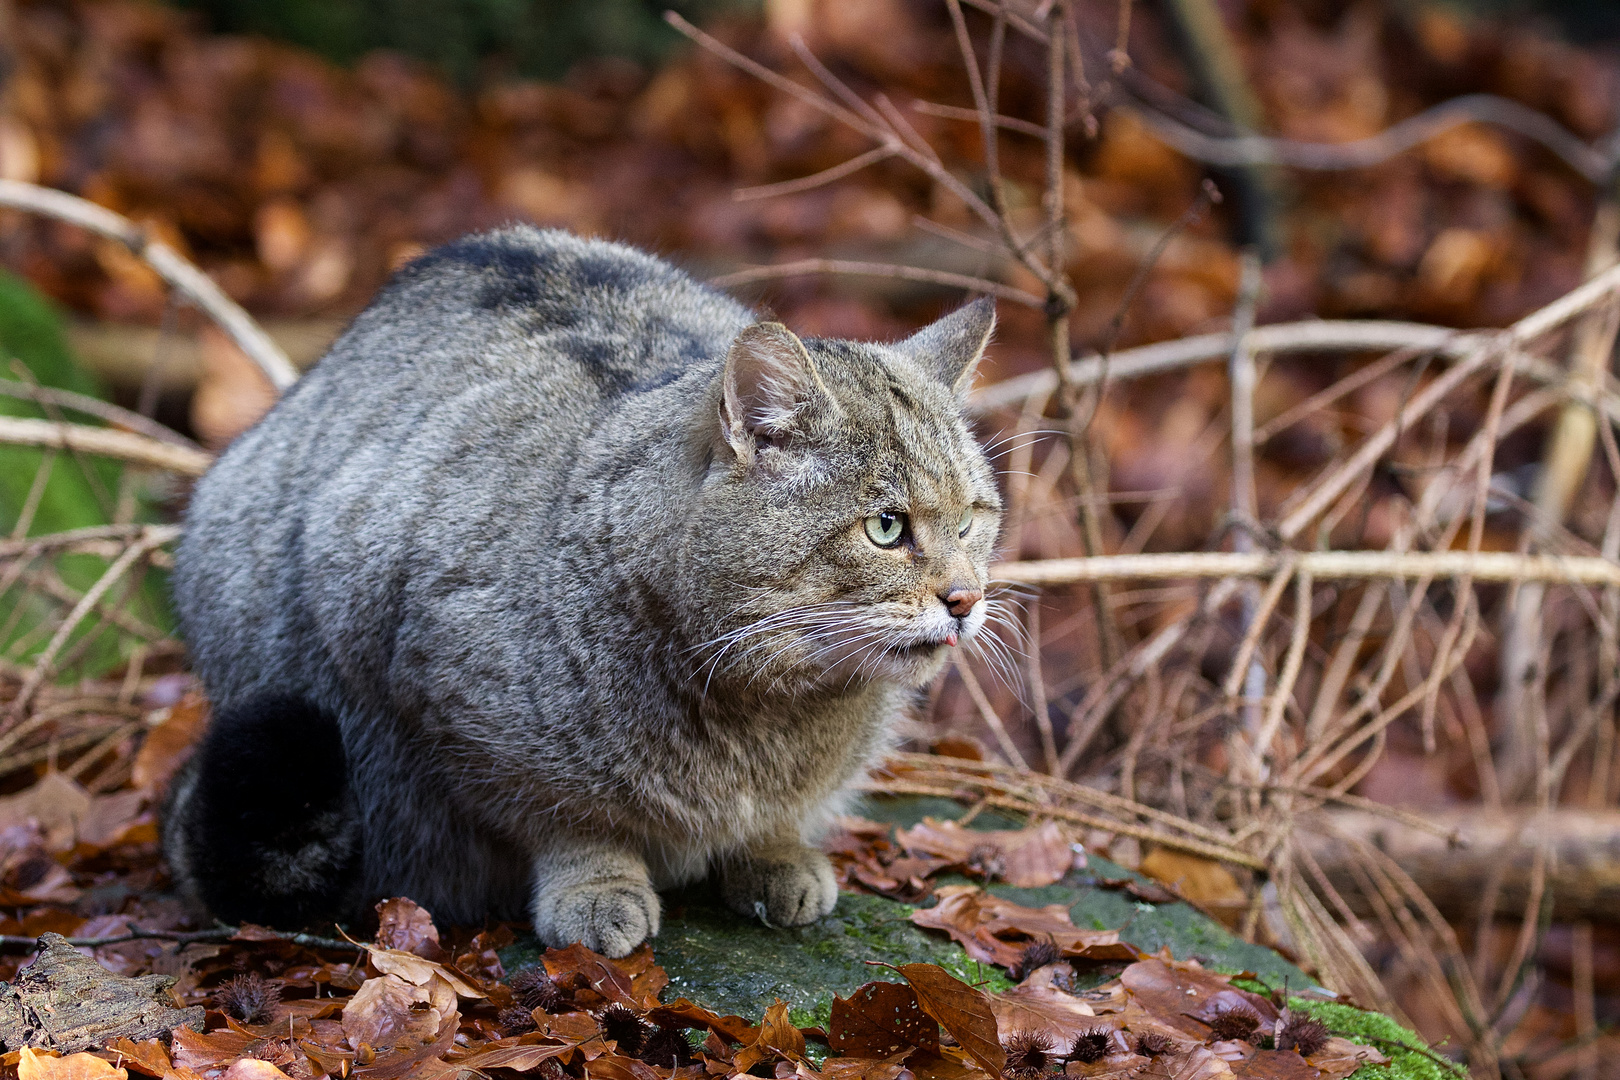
{"points": [[1043, 1009], [387, 1011], [618, 1067], [1341, 1057], [950, 1063], [683, 1012], [778, 1038], [859, 1068], [148, 1057], [879, 1020], [519, 1054], [1195, 1064], [170, 744], [253, 1069], [1201, 881], [203, 1051], [961, 1010], [1172, 992], [1276, 1065], [38, 1065], [403, 926], [417, 971], [1029, 858], [995, 931]]}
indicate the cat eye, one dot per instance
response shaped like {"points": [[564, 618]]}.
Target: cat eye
{"points": [[886, 529], [966, 523]]}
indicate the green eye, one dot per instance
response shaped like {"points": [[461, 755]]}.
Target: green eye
{"points": [[885, 529], [966, 523]]}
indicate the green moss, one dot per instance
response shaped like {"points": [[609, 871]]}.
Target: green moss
{"points": [[1383, 1034]]}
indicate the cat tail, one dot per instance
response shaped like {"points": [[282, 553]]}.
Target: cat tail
{"points": [[261, 825]]}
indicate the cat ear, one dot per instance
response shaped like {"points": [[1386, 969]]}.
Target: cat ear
{"points": [[768, 374], [951, 348]]}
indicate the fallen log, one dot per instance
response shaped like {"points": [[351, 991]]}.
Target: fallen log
{"points": [[1486, 850]]}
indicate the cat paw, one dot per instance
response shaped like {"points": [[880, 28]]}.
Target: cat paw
{"points": [[783, 888], [608, 917]]}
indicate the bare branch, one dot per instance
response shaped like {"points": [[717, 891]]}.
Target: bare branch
{"points": [[885, 270], [1240, 150], [825, 176], [90, 406], [956, 112], [1323, 565], [124, 445], [190, 282]]}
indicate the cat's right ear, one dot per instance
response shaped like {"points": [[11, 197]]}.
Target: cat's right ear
{"points": [[768, 377]]}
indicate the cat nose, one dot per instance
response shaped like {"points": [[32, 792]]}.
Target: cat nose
{"points": [[959, 599]]}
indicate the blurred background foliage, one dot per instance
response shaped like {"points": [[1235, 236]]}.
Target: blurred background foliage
{"points": [[66, 492], [544, 38], [530, 38]]}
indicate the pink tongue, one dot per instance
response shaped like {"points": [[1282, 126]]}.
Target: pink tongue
{"points": [[950, 639]]}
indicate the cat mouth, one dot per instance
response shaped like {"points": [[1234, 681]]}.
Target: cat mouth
{"points": [[927, 647]]}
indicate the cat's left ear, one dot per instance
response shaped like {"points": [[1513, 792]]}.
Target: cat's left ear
{"points": [[951, 348]]}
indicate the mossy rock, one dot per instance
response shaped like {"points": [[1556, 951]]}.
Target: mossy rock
{"points": [[736, 965]]}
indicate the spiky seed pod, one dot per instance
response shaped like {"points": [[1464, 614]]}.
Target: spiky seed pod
{"points": [[1152, 1044], [250, 998], [551, 1069], [515, 1020], [624, 1027], [535, 989], [1234, 1022], [1037, 954], [666, 1047], [1091, 1045], [1302, 1033], [1029, 1054]]}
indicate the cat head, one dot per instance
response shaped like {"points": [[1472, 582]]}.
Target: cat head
{"points": [[847, 515]]}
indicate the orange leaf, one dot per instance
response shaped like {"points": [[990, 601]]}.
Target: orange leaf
{"points": [[37, 1065]]}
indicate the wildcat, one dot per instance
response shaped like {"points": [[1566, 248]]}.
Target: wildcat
{"points": [[561, 579]]}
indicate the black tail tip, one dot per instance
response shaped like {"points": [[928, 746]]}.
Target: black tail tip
{"points": [[261, 826]]}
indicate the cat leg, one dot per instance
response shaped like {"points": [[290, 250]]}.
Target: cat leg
{"points": [[595, 893], [783, 882]]}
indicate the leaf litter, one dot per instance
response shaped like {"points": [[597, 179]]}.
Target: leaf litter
{"points": [[419, 1000]]}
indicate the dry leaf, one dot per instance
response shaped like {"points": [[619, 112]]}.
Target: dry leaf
{"points": [[1276, 1065], [1044, 1009], [995, 931], [961, 1010], [254, 1069], [403, 926], [38, 1065], [149, 1057], [778, 1037], [387, 1010], [418, 971], [879, 1020], [1341, 1057], [1028, 858]]}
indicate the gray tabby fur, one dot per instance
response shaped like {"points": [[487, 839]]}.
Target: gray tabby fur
{"points": [[573, 548]]}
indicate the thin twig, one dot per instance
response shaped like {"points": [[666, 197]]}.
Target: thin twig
{"points": [[1322, 565], [104, 442], [24, 943], [1590, 162], [800, 267], [190, 282]]}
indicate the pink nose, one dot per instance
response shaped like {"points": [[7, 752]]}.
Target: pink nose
{"points": [[959, 601]]}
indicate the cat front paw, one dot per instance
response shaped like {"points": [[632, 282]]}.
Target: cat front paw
{"points": [[790, 888], [609, 917]]}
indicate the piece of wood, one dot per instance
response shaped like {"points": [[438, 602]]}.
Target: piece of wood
{"points": [[1583, 872], [66, 1001]]}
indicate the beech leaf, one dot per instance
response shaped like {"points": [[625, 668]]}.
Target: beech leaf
{"points": [[961, 1010]]}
